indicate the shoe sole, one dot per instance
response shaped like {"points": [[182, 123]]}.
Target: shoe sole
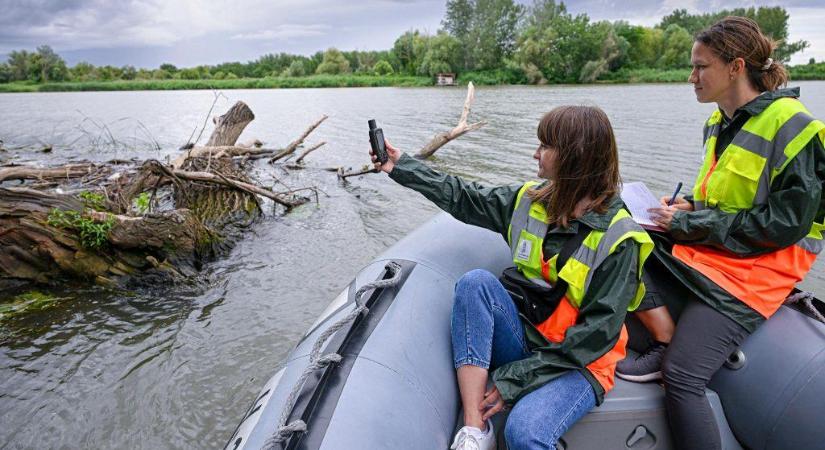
{"points": [[641, 378]]}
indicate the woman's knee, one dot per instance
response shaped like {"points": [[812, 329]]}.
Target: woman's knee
{"points": [[472, 283], [520, 431], [678, 377], [475, 279]]}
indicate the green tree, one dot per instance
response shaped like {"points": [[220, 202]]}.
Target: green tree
{"points": [[295, 69], [128, 73], [772, 20], [557, 43], [612, 55], [19, 65], [45, 65], [383, 68], [409, 49], [676, 51], [458, 21], [333, 63], [170, 68], [486, 29], [82, 71], [443, 54], [161, 74], [189, 74], [5, 73]]}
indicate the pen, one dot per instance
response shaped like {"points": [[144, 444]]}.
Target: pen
{"points": [[675, 193]]}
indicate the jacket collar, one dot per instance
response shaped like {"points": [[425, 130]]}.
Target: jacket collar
{"points": [[760, 103], [593, 219]]}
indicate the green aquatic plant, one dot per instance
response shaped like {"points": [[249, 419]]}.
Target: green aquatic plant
{"points": [[93, 234], [141, 203], [31, 301], [93, 200]]}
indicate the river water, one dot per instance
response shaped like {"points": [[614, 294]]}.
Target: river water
{"points": [[177, 366]]}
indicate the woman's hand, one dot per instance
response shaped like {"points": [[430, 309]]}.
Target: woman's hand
{"points": [[663, 216], [680, 203], [392, 157], [491, 404]]}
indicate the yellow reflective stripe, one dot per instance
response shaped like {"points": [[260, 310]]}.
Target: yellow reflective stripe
{"points": [[801, 139], [768, 123], [575, 274], [527, 227], [521, 212], [812, 245], [715, 117]]}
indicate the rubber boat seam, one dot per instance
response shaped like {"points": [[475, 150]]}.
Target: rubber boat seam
{"points": [[814, 359], [405, 377], [776, 417]]}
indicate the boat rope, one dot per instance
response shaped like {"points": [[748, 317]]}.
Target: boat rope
{"points": [[805, 301], [316, 361]]}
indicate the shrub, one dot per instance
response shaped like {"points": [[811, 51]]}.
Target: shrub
{"points": [[383, 68], [93, 235]]}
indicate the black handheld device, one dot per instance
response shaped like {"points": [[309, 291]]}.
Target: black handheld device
{"points": [[377, 142]]}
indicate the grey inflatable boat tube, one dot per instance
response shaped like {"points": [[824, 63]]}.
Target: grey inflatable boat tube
{"points": [[395, 387]]}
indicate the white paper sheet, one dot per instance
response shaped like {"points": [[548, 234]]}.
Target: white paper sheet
{"points": [[638, 198]]}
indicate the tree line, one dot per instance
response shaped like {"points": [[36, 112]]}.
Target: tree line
{"points": [[540, 43]]}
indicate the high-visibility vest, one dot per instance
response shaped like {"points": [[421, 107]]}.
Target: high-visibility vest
{"points": [[528, 227], [740, 180]]}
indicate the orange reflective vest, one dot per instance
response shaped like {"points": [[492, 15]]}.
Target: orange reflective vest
{"points": [[741, 180]]}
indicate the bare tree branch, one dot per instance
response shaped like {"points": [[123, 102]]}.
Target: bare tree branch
{"points": [[440, 139]]}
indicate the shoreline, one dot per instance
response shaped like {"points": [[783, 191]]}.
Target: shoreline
{"points": [[490, 78]]}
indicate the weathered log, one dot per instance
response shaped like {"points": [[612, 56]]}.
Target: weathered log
{"points": [[54, 173], [228, 128], [440, 139], [36, 250]]}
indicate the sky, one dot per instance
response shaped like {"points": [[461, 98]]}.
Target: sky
{"points": [[147, 33]]}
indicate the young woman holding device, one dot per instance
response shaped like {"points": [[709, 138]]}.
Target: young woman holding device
{"points": [[750, 231], [551, 330]]}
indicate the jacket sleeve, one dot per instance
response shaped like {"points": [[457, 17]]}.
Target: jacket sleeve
{"points": [[469, 202], [793, 204], [597, 329]]}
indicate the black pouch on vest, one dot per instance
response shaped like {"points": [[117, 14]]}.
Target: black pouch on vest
{"points": [[536, 302]]}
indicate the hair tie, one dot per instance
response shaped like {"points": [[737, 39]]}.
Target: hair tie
{"points": [[768, 64]]}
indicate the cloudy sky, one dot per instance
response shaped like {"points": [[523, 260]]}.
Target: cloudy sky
{"points": [[146, 33]]}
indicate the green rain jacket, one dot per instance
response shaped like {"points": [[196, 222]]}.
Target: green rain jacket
{"points": [[795, 201], [603, 307]]}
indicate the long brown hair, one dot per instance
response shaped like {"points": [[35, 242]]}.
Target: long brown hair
{"points": [[739, 37], [587, 162]]}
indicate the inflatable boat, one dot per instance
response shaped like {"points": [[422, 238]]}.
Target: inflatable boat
{"points": [[375, 370]]}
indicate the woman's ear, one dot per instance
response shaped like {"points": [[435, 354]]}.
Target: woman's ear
{"points": [[736, 67]]}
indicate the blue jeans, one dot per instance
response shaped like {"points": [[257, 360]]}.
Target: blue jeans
{"points": [[487, 333]]}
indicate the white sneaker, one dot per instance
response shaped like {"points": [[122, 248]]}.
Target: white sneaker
{"points": [[471, 438]]}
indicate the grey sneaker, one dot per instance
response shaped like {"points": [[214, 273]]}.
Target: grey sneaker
{"points": [[644, 367]]}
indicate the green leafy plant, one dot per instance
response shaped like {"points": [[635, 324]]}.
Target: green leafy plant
{"points": [[93, 235], [93, 200], [141, 203]]}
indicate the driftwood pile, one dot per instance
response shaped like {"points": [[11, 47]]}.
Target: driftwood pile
{"points": [[147, 220]]}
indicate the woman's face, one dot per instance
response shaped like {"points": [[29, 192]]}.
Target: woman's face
{"points": [[711, 77], [546, 157]]}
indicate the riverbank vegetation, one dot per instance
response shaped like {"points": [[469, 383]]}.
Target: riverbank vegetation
{"points": [[484, 41]]}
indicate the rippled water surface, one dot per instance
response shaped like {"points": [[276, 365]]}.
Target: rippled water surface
{"points": [[177, 366]]}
